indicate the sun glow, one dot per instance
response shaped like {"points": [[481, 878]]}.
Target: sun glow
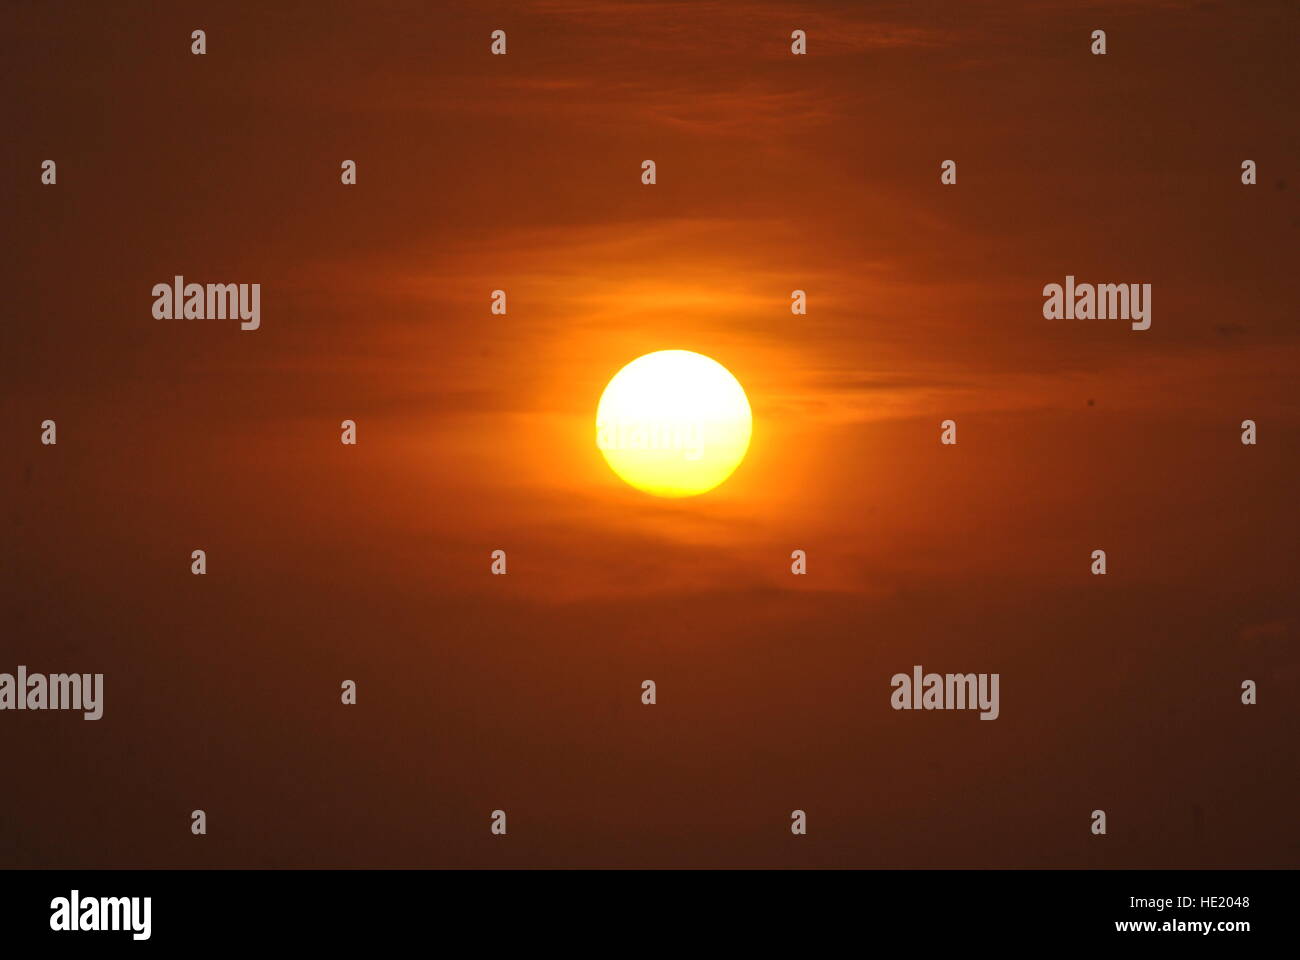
{"points": [[673, 423]]}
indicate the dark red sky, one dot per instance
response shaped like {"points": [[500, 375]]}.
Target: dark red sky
{"points": [[775, 172]]}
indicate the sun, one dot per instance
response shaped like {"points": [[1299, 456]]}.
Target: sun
{"points": [[673, 423]]}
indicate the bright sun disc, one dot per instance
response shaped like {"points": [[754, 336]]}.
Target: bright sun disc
{"points": [[673, 423]]}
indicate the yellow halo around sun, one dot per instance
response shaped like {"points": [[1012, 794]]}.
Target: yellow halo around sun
{"points": [[673, 423]]}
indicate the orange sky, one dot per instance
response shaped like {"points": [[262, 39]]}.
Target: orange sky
{"points": [[775, 173]]}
